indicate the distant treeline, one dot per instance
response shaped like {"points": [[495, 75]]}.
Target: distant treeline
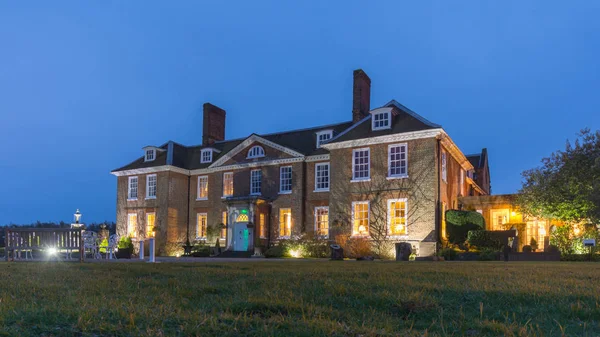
{"points": [[111, 226]]}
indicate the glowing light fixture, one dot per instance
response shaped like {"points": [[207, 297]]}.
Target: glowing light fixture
{"points": [[295, 253], [513, 213], [52, 251], [77, 216]]}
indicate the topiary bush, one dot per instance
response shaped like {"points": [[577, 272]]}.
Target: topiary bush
{"points": [[201, 250], [483, 239], [527, 249], [278, 251], [448, 254], [459, 223]]}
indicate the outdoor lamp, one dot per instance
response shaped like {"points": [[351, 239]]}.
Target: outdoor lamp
{"points": [[77, 216]]}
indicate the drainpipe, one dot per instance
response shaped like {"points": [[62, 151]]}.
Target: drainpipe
{"points": [[438, 219]]}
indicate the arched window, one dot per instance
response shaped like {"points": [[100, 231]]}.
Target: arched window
{"points": [[242, 218], [256, 152]]}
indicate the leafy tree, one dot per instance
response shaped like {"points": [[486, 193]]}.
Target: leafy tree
{"points": [[567, 185]]}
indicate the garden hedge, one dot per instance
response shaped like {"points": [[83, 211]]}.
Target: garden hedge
{"points": [[484, 239], [459, 223]]}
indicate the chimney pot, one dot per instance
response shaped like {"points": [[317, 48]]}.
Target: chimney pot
{"points": [[213, 124]]}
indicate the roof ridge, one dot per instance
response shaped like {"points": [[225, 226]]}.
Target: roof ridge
{"points": [[349, 129], [412, 113]]}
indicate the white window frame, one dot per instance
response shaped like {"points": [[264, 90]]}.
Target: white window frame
{"points": [[285, 224], [329, 133], [322, 189], [256, 151], [198, 215], [132, 225], [230, 175], [148, 195], [389, 218], [209, 156], [354, 203], [130, 197], [444, 166], [388, 116], [259, 176], [368, 177], [281, 182], [150, 155], [205, 179], [405, 160], [147, 234], [317, 209]]}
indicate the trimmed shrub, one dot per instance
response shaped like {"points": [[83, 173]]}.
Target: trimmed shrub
{"points": [[533, 243], [527, 249], [483, 239], [448, 254], [201, 251], [278, 251], [459, 223], [354, 247], [552, 249], [488, 255], [579, 257]]}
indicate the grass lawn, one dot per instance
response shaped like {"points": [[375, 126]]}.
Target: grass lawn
{"points": [[319, 298]]}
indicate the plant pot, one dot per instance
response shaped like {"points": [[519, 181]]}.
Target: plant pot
{"points": [[124, 253]]}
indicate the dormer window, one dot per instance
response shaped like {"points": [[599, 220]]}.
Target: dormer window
{"points": [[150, 155], [256, 152], [381, 120], [323, 136], [206, 156]]}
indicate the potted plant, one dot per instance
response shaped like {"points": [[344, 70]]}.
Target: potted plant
{"points": [[125, 248], [533, 243]]}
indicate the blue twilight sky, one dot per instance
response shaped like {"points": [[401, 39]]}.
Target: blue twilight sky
{"points": [[84, 85]]}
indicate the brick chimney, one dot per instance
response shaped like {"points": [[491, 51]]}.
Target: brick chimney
{"points": [[213, 124], [361, 95]]}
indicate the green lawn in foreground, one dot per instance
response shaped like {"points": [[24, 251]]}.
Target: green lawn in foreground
{"points": [[293, 298]]}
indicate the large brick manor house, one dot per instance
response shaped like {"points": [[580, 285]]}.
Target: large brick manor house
{"points": [[386, 171]]}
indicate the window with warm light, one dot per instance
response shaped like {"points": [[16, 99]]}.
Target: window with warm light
{"points": [[201, 226], [132, 188], [227, 184], [224, 222], [202, 188], [462, 182], [242, 218], [322, 177], [443, 220], [397, 210], [499, 218], [360, 218], [150, 220], [285, 179], [132, 225], [322, 221], [151, 186], [255, 182], [285, 222], [263, 225], [361, 164], [256, 152]]}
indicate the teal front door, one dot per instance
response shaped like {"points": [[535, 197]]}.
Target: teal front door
{"points": [[240, 237]]}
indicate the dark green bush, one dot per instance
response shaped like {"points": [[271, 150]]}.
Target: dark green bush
{"points": [[527, 249], [579, 257], [459, 223], [277, 251], [488, 254], [201, 250], [483, 239], [125, 243], [448, 254], [552, 249]]}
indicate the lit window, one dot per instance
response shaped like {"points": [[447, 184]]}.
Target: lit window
{"points": [[323, 136], [227, 184], [256, 152], [397, 216], [444, 167], [202, 188], [444, 220], [150, 155], [255, 182], [462, 182], [132, 188], [397, 162], [322, 177], [150, 220], [322, 221], [206, 156], [132, 225], [360, 218], [263, 225], [285, 222], [285, 179], [242, 218], [201, 222], [224, 228], [381, 121], [361, 164], [151, 186]]}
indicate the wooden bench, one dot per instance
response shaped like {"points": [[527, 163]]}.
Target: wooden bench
{"points": [[19, 240]]}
